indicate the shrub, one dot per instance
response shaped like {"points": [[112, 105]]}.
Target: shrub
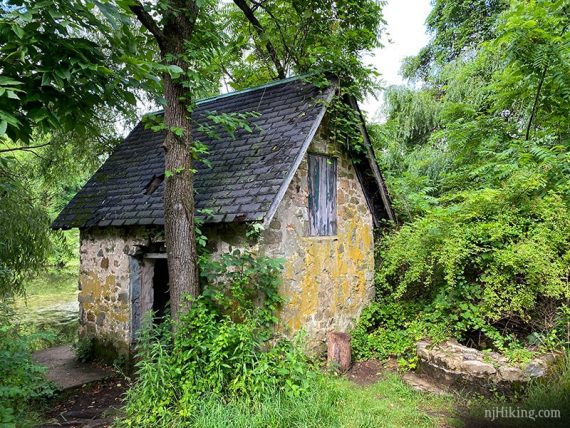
{"points": [[84, 349], [223, 347], [21, 380], [391, 329]]}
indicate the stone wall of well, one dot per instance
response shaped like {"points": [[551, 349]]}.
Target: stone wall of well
{"points": [[485, 372]]}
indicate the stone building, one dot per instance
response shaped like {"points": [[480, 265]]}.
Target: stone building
{"points": [[318, 205]]}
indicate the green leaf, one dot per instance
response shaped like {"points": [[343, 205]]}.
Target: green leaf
{"points": [[19, 31], [5, 81], [174, 71], [12, 95], [46, 79]]}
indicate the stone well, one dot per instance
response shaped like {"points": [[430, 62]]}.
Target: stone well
{"points": [[463, 367]]}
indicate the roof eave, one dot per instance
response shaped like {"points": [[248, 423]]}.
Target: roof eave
{"points": [[385, 196]]}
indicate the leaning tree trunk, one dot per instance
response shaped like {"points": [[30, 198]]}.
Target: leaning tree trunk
{"points": [[179, 199]]}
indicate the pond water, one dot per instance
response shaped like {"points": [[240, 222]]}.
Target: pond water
{"points": [[51, 308]]}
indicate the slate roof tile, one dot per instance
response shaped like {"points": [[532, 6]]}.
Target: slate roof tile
{"points": [[247, 171]]}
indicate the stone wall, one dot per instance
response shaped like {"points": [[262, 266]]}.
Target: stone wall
{"points": [[460, 366], [104, 285], [327, 280]]}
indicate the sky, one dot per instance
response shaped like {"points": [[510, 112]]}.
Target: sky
{"points": [[405, 36]]}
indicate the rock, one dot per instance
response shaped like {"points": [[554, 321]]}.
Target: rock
{"points": [[510, 374], [535, 368], [100, 318], [478, 368], [550, 358], [85, 298], [454, 364], [273, 237], [123, 297], [421, 349]]}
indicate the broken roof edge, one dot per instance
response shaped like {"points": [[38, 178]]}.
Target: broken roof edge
{"points": [[385, 196], [328, 96]]}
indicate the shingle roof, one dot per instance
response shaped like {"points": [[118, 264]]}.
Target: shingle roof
{"points": [[248, 172]]}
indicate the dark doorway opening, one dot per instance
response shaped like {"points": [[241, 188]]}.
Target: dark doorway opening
{"points": [[161, 291]]}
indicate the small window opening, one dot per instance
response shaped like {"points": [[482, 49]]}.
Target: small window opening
{"points": [[153, 184], [322, 195]]}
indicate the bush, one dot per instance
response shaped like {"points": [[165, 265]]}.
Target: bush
{"points": [[21, 380], [391, 329], [84, 349], [223, 347], [486, 264]]}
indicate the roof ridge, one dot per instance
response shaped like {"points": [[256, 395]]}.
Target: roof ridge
{"points": [[242, 91], [252, 89]]}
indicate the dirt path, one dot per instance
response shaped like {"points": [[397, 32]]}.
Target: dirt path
{"points": [[371, 371], [94, 405], [90, 394]]}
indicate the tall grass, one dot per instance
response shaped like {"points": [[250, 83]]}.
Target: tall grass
{"points": [[331, 402]]}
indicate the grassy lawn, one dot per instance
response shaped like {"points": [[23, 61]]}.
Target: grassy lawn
{"points": [[339, 403]]}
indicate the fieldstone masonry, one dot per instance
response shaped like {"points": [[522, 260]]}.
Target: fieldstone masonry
{"points": [[327, 280], [104, 284], [459, 365]]}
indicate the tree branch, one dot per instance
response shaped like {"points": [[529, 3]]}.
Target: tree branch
{"points": [[535, 105], [24, 148], [148, 22], [283, 40], [261, 32]]}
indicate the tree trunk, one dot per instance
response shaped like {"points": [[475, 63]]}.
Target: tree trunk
{"points": [[179, 199], [339, 351], [179, 19]]}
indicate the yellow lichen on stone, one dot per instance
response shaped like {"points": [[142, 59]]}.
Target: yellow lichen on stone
{"points": [[327, 280]]}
